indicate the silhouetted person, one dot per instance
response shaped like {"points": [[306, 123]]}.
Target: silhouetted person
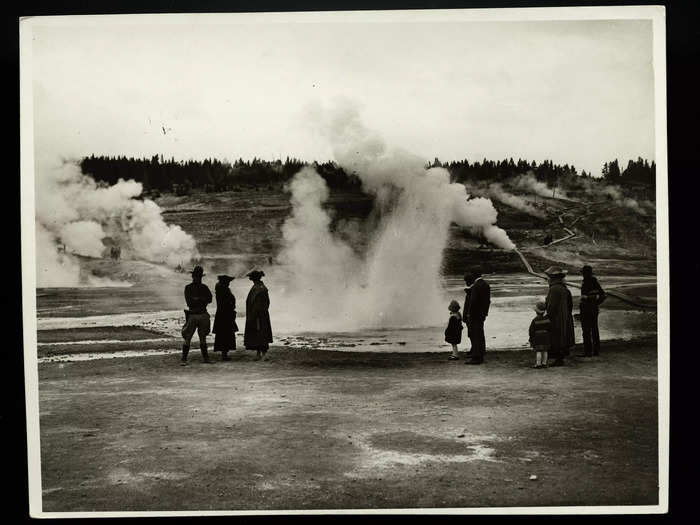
{"points": [[476, 309], [258, 330], [468, 281], [197, 297], [539, 335], [225, 326], [453, 332], [560, 306], [548, 239], [592, 295]]}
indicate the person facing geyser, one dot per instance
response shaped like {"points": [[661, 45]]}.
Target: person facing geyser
{"points": [[592, 295], [559, 305], [197, 297], [453, 332], [225, 326], [258, 330], [476, 309]]}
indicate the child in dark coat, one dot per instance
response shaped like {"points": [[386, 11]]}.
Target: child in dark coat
{"points": [[539, 335], [453, 332]]}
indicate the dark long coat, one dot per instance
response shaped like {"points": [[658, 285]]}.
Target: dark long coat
{"points": [[258, 330], [468, 293], [560, 306], [453, 332], [478, 301], [225, 326]]}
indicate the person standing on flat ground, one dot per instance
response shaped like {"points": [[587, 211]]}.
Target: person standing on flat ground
{"points": [[539, 334], [197, 297], [592, 296], [225, 326], [476, 311], [559, 305], [468, 281], [258, 329], [453, 332]]}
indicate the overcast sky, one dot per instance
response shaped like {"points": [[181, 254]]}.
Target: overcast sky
{"points": [[578, 92]]}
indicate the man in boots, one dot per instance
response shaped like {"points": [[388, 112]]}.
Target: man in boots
{"points": [[197, 297]]}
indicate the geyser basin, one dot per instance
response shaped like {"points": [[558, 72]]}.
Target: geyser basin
{"points": [[506, 327]]}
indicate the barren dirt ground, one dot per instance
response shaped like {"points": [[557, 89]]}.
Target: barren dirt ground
{"points": [[325, 430]]}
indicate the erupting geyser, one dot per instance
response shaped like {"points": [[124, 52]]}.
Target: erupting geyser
{"points": [[74, 215], [396, 282]]}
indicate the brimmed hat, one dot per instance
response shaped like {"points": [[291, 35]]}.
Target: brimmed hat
{"points": [[454, 306], [225, 278], [198, 270], [256, 274], [540, 307], [555, 270]]}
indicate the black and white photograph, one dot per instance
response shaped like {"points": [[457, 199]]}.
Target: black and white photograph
{"points": [[391, 261]]}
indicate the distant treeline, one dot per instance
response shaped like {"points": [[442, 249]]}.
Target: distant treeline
{"points": [[212, 175], [638, 172]]}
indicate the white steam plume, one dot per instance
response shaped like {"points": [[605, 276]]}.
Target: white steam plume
{"points": [[397, 281], [617, 195], [529, 183], [598, 189], [74, 215], [496, 191]]}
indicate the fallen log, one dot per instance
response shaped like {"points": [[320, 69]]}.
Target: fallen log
{"points": [[570, 236], [622, 297]]}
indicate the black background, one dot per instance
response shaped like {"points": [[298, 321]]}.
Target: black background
{"points": [[683, 93]]}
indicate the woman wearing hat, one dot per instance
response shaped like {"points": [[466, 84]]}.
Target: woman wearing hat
{"points": [[225, 326], [258, 330], [560, 306]]}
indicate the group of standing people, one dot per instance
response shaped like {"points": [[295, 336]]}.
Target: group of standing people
{"points": [[258, 329], [476, 309], [551, 332]]}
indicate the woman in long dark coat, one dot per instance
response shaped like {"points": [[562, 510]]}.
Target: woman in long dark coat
{"points": [[258, 330], [560, 306], [225, 326]]}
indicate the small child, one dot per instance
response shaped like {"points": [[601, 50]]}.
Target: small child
{"points": [[539, 335], [453, 332]]}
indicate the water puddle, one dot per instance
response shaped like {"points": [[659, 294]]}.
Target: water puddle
{"points": [[90, 356]]}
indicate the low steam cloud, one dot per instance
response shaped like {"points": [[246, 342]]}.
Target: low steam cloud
{"points": [[75, 216], [529, 183], [592, 188], [497, 192], [616, 194]]}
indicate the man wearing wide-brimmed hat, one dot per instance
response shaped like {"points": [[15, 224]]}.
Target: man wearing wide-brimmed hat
{"points": [[197, 297], [258, 329], [225, 326], [560, 306]]}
